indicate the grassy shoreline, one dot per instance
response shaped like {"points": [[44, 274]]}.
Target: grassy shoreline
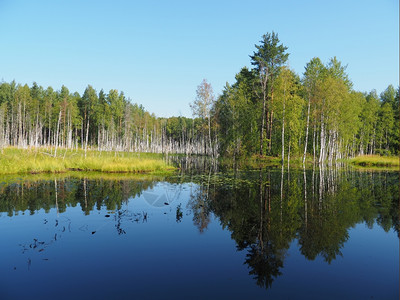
{"points": [[375, 161], [43, 160]]}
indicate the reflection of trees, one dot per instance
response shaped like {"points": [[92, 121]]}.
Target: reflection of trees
{"points": [[199, 204], [61, 193], [247, 209], [179, 213], [190, 165], [339, 201], [263, 257], [266, 211], [264, 264], [327, 215]]}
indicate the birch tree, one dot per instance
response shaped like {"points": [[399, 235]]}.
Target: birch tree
{"points": [[314, 71], [201, 107]]}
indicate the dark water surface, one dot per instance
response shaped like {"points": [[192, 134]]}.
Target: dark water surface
{"points": [[323, 234]]}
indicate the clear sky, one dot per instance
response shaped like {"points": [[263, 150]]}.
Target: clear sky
{"points": [[158, 52]]}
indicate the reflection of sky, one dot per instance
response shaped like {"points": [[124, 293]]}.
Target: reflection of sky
{"points": [[160, 257]]}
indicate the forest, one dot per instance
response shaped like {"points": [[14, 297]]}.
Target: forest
{"points": [[35, 116], [268, 111]]}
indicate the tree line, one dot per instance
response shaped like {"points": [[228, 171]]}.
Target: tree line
{"points": [[37, 116], [271, 110], [268, 110]]}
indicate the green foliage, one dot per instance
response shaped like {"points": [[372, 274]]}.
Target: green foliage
{"points": [[237, 116], [336, 70], [268, 61], [270, 56], [289, 101], [201, 106], [34, 116], [270, 106]]}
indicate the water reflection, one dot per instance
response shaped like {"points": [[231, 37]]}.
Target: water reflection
{"points": [[61, 193], [264, 210], [191, 165]]}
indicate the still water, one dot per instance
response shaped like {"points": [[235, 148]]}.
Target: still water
{"points": [[272, 234]]}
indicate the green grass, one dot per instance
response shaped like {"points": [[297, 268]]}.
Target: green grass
{"points": [[42, 160], [375, 161]]}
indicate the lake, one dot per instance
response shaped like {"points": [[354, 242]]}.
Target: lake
{"points": [[269, 233]]}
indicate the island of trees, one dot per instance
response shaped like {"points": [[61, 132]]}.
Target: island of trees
{"points": [[268, 111]]}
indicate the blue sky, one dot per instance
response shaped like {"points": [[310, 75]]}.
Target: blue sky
{"points": [[158, 52]]}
